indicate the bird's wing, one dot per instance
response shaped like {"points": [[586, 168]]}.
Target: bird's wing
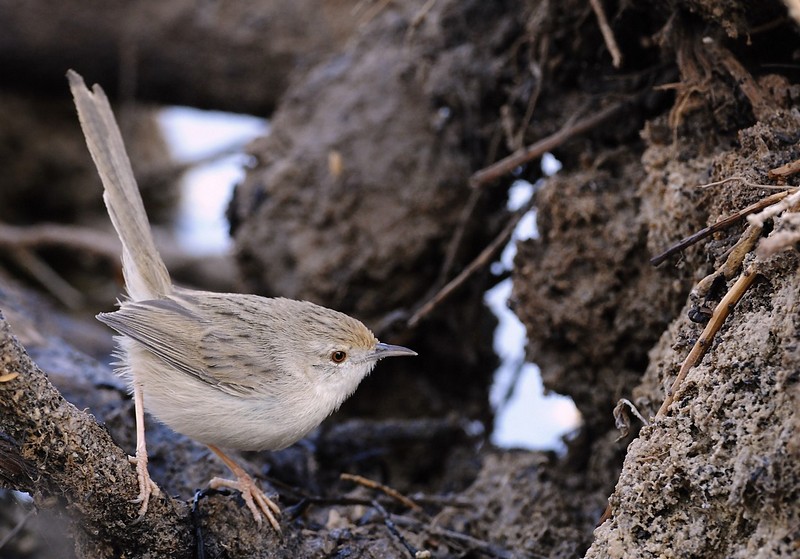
{"points": [[192, 342]]}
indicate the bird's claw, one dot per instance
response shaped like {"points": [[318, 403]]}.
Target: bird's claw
{"points": [[147, 487], [253, 496]]}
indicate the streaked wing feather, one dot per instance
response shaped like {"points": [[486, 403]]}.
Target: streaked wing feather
{"points": [[179, 337]]}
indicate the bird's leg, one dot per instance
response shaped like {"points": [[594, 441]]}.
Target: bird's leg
{"points": [[256, 501], [147, 486]]}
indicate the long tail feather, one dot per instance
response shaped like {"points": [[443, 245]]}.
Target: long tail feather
{"points": [[146, 276]]}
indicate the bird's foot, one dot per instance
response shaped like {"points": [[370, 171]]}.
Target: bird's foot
{"points": [[147, 487], [255, 498]]}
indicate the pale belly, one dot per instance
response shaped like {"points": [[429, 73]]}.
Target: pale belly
{"points": [[211, 416]]}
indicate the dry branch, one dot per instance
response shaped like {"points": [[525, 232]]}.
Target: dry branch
{"points": [[608, 34], [733, 262], [480, 261], [52, 234], [718, 226], [721, 312], [524, 155], [371, 484], [72, 458], [784, 171], [759, 99], [773, 210]]}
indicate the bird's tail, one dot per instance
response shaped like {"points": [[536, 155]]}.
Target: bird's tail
{"points": [[146, 276]]}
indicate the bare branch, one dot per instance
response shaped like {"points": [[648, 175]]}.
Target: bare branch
{"points": [[69, 456], [519, 157], [722, 311], [718, 226], [480, 261], [608, 34]]}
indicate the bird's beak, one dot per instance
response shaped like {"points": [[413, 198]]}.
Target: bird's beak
{"points": [[385, 350]]}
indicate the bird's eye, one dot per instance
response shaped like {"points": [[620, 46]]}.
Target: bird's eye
{"points": [[338, 356]]}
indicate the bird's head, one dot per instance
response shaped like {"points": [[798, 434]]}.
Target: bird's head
{"points": [[338, 350]]}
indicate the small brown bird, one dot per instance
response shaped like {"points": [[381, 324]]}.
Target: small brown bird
{"points": [[226, 369]]}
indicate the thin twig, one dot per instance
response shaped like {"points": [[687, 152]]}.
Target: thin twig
{"points": [[745, 182], [458, 237], [608, 34], [536, 71], [519, 157], [721, 312], [785, 170], [781, 206], [718, 226], [519, 367], [52, 234], [442, 500], [482, 546], [419, 17], [758, 98], [174, 170], [373, 11], [393, 493], [14, 531], [623, 402], [390, 525], [607, 514], [21, 241], [471, 542], [48, 278], [733, 262], [480, 261]]}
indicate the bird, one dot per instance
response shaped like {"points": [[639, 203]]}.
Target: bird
{"points": [[229, 370]]}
